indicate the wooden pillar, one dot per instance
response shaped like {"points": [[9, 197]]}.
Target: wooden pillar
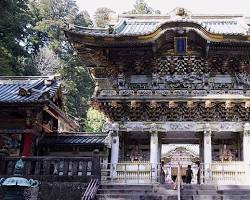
{"points": [[96, 167], [27, 144], [3, 163]]}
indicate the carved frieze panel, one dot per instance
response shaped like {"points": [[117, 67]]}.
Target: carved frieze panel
{"points": [[135, 126], [240, 92], [180, 93], [199, 92], [226, 126], [108, 93], [217, 92], [177, 111], [163, 92], [126, 92], [184, 126], [171, 93], [144, 92]]}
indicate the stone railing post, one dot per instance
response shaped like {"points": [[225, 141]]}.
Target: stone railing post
{"points": [[96, 167]]}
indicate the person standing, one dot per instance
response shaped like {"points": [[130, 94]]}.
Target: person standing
{"points": [[162, 173], [189, 174]]}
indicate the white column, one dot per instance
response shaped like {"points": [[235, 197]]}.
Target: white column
{"points": [[114, 148], [154, 153], [114, 153], [207, 145], [246, 149]]}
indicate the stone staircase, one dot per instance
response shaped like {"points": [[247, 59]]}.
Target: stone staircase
{"points": [[135, 192], [215, 192]]}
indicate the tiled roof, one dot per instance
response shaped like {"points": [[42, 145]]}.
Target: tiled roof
{"points": [[136, 27], [143, 27], [76, 139], [226, 27], [27, 89], [132, 25]]}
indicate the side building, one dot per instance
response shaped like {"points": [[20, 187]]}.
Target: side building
{"points": [[34, 127], [30, 107]]}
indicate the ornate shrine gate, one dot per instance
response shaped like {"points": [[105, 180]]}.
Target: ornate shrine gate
{"points": [[176, 78]]}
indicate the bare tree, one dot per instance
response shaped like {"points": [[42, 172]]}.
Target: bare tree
{"points": [[47, 62], [102, 17]]}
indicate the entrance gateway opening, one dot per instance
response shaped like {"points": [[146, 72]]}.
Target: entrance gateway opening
{"points": [[154, 152], [172, 79]]}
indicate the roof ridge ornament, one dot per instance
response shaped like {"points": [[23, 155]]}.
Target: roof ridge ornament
{"points": [[180, 13]]}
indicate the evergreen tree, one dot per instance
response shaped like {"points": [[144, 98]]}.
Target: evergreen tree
{"points": [[94, 121], [141, 7], [15, 30], [52, 16]]}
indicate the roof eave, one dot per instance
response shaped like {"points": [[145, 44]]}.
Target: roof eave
{"points": [[108, 39]]}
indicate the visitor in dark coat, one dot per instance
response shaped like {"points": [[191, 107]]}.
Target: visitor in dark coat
{"points": [[189, 174]]}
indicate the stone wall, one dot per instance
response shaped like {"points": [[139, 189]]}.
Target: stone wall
{"points": [[60, 190], [54, 191]]}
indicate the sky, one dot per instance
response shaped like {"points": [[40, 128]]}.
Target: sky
{"points": [[165, 6]]}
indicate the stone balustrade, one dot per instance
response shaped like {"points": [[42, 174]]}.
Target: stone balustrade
{"points": [[228, 173], [130, 172], [56, 168]]}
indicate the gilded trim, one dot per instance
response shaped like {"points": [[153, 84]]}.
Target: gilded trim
{"points": [[151, 35]]}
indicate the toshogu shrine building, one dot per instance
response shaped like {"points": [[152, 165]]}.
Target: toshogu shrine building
{"points": [[180, 78]]}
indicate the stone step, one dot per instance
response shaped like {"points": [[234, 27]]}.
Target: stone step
{"points": [[189, 192], [236, 197], [234, 192], [207, 192], [234, 187], [134, 197], [201, 192], [202, 197], [134, 192], [163, 191], [122, 191], [199, 187], [118, 196], [119, 186]]}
